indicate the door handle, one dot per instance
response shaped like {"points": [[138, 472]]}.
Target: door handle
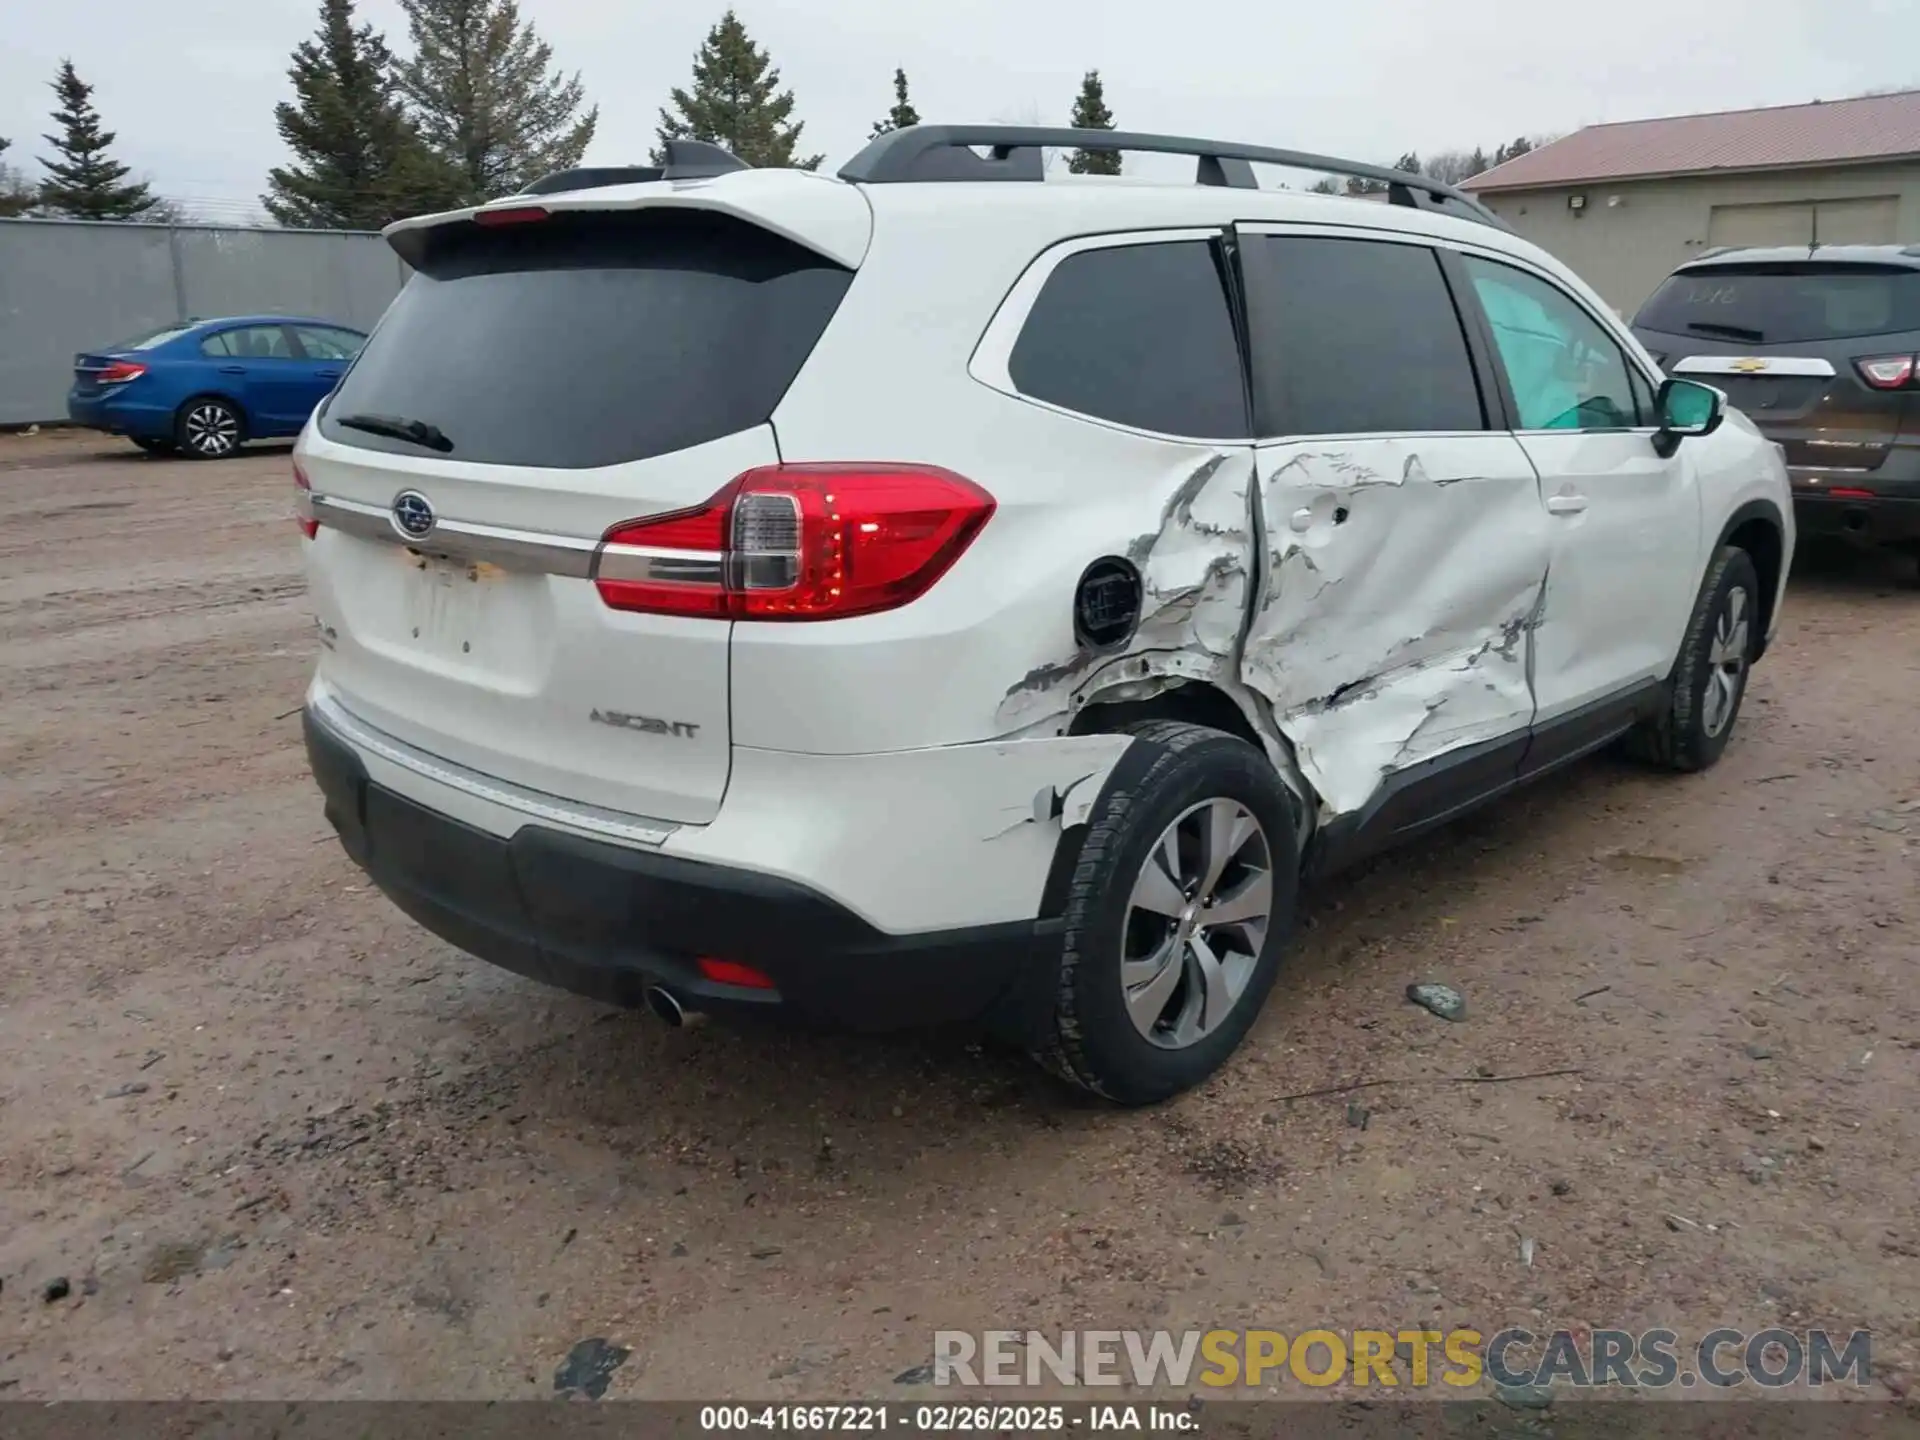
{"points": [[326, 374], [233, 369], [1566, 504]]}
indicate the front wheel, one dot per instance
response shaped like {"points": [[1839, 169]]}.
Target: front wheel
{"points": [[1180, 910], [1710, 678], [209, 429]]}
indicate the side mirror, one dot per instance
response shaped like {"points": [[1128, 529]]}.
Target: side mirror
{"points": [[1686, 407]]}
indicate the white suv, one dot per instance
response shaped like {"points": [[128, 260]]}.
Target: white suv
{"points": [[929, 595]]}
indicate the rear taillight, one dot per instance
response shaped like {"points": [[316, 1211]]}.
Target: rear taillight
{"points": [[303, 502], [119, 372], [1886, 372], [797, 542]]}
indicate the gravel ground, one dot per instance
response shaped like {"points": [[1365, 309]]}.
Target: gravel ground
{"points": [[282, 1143]]}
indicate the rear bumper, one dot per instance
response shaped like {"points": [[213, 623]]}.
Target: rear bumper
{"points": [[608, 920], [1876, 519], [119, 415]]}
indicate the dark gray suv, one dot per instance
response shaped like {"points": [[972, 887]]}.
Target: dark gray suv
{"points": [[1821, 348]]}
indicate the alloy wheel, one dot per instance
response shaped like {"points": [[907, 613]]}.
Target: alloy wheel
{"points": [[1727, 659], [212, 430], [1196, 923]]}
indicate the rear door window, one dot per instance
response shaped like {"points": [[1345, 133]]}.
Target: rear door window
{"points": [[1785, 304], [251, 342], [1138, 334], [1355, 337], [591, 338]]}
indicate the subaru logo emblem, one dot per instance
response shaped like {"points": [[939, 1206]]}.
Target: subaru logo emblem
{"points": [[412, 515]]}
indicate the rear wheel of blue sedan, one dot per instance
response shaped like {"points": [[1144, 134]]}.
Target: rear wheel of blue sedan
{"points": [[209, 428]]}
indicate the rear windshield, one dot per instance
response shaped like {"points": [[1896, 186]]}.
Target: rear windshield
{"points": [[590, 339], [1785, 303], [151, 338]]}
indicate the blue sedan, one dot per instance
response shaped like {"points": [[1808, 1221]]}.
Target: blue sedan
{"points": [[203, 388]]}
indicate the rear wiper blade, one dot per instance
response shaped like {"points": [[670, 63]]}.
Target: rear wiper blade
{"points": [[1732, 332], [397, 427]]}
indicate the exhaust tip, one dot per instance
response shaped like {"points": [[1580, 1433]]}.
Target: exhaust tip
{"points": [[664, 1003], [660, 1000]]}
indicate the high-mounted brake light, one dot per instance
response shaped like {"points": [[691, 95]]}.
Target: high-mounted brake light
{"points": [[119, 372], [303, 503], [1886, 372], [797, 542], [517, 215]]}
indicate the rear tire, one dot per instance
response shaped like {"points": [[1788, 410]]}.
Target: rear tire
{"points": [[209, 428], [1153, 996], [1710, 678]]}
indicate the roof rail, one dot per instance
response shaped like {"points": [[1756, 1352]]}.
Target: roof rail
{"points": [[946, 152], [686, 160]]}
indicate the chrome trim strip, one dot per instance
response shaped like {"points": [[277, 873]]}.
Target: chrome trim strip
{"points": [[648, 562], [530, 550], [1753, 365], [533, 803]]}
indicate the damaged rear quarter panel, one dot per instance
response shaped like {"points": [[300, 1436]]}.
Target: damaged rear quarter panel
{"points": [[1189, 532], [1401, 592]]}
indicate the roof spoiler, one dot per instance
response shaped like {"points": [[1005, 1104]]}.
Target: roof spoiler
{"points": [[947, 153], [685, 160]]}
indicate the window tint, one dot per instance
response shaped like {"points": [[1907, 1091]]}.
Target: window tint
{"points": [[323, 342], [1567, 373], [1785, 303], [590, 339], [1136, 334], [252, 342], [1356, 337]]}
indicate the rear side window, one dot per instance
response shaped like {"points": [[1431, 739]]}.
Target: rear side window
{"points": [[1785, 303], [1355, 337], [591, 339], [1139, 335]]}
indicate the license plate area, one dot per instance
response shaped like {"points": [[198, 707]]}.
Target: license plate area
{"points": [[461, 619]]}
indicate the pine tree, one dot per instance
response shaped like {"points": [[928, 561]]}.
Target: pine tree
{"points": [[1090, 113], [1409, 164], [358, 162], [902, 114], [1325, 185], [481, 90], [85, 183], [1512, 152], [1476, 163], [17, 195], [736, 102]]}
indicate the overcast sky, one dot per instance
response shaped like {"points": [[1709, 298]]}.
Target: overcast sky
{"points": [[190, 85]]}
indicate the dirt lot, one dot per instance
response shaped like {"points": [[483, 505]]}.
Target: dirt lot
{"points": [[282, 1143]]}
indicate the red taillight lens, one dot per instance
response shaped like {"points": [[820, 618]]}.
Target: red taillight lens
{"points": [[1886, 372], [119, 372], [798, 542], [303, 502], [732, 972], [518, 215]]}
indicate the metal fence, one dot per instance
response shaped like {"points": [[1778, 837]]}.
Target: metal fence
{"points": [[72, 285]]}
